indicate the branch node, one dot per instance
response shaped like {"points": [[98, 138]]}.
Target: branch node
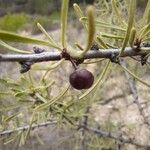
{"points": [[114, 57], [95, 47], [25, 66], [66, 56]]}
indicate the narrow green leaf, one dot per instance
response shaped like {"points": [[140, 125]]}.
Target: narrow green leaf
{"points": [[146, 15], [100, 42], [148, 18], [12, 37], [3, 81], [132, 37], [103, 24], [12, 139], [112, 46], [94, 61], [5, 45], [49, 67], [50, 39], [79, 46], [9, 82], [91, 29], [78, 10], [130, 24], [6, 120], [79, 14], [117, 12], [144, 31], [112, 36], [20, 93], [52, 101], [64, 14], [22, 140], [9, 140], [40, 97], [36, 89], [127, 2], [136, 77], [30, 127]]}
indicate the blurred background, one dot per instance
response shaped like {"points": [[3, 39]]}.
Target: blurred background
{"points": [[24, 14]]}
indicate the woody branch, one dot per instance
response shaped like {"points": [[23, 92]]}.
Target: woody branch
{"points": [[55, 56]]}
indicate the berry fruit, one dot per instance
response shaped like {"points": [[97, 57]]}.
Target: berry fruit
{"points": [[81, 79]]}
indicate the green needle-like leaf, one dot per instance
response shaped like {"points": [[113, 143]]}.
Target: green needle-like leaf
{"points": [[46, 67], [132, 37], [100, 42], [79, 14], [144, 31], [130, 24], [112, 36], [136, 77], [91, 29], [79, 46], [12, 37], [103, 24], [5, 45], [50, 39], [30, 126], [146, 16], [78, 10], [8, 119], [12, 138], [117, 12], [52, 101], [64, 14]]}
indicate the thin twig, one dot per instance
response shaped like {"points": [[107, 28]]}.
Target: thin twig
{"points": [[84, 122], [115, 97], [85, 127], [54, 56], [119, 144], [8, 132], [111, 135]]}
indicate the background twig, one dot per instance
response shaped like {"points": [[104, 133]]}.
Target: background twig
{"points": [[114, 136], [8, 132]]}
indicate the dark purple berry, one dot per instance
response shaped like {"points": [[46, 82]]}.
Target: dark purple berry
{"points": [[81, 79]]}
